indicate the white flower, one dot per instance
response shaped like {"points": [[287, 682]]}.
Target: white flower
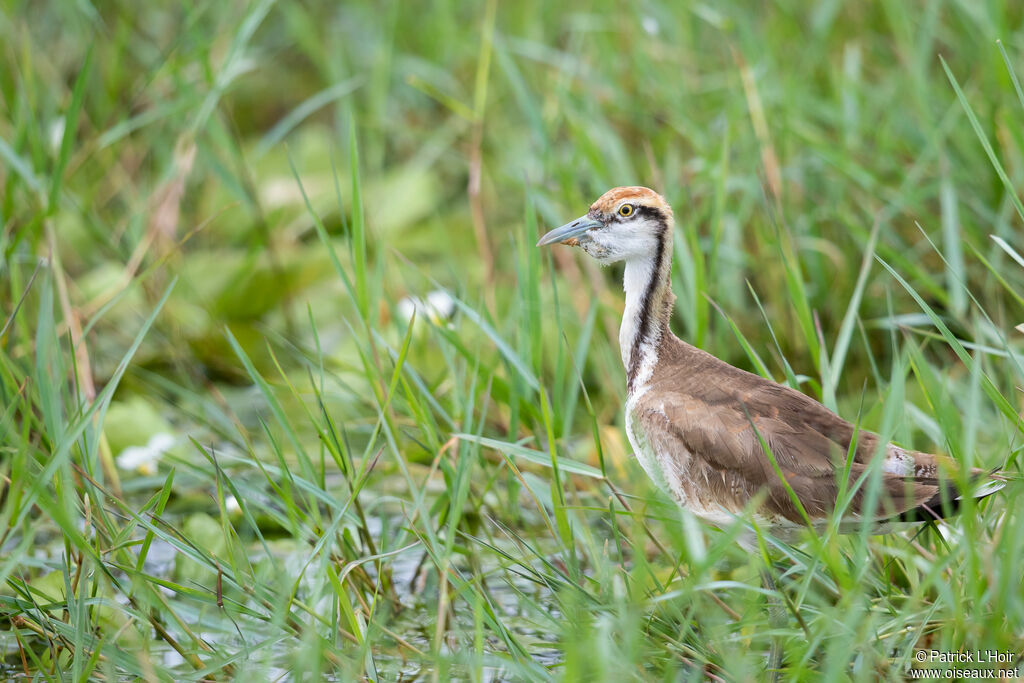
{"points": [[145, 458], [55, 134], [438, 307]]}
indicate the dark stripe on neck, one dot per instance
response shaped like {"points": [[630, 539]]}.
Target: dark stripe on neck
{"points": [[648, 317]]}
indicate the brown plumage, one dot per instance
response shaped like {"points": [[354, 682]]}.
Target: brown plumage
{"points": [[607, 202], [721, 417], [699, 425]]}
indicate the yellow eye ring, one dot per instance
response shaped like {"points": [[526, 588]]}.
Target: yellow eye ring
{"points": [[626, 210]]}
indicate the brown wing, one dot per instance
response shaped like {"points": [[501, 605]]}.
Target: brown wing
{"points": [[717, 416]]}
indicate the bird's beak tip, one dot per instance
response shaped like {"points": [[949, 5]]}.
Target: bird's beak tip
{"points": [[549, 239], [568, 233], [572, 242]]}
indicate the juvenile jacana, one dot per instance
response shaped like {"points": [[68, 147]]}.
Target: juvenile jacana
{"points": [[699, 425]]}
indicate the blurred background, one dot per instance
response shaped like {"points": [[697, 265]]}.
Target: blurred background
{"points": [[219, 220]]}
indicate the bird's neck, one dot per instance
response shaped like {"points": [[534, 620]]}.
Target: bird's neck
{"points": [[649, 302]]}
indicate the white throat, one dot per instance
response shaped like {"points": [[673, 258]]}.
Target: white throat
{"points": [[642, 290]]}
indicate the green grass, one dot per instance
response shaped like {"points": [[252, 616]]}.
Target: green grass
{"points": [[209, 216]]}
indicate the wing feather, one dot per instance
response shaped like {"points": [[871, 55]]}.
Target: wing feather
{"points": [[709, 420]]}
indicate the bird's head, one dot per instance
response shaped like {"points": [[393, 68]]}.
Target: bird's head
{"points": [[625, 223]]}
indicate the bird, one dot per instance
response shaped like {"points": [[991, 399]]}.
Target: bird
{"points": [[721, 440]]}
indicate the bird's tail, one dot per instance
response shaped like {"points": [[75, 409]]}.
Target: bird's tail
{"points": [[946, 502]]}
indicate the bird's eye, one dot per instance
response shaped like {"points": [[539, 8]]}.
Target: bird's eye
{"points": [[626, 210]]}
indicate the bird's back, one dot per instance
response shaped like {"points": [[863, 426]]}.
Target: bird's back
{"points": [[709, 427]]}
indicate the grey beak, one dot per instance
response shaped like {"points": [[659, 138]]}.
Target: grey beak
{"points": [[569, 231]]}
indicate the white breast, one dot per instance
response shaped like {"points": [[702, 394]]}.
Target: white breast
{"points": [[668, 463], [645, 454]]}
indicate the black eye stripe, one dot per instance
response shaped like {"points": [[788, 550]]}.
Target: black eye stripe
{"points": [[640, 211]]}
